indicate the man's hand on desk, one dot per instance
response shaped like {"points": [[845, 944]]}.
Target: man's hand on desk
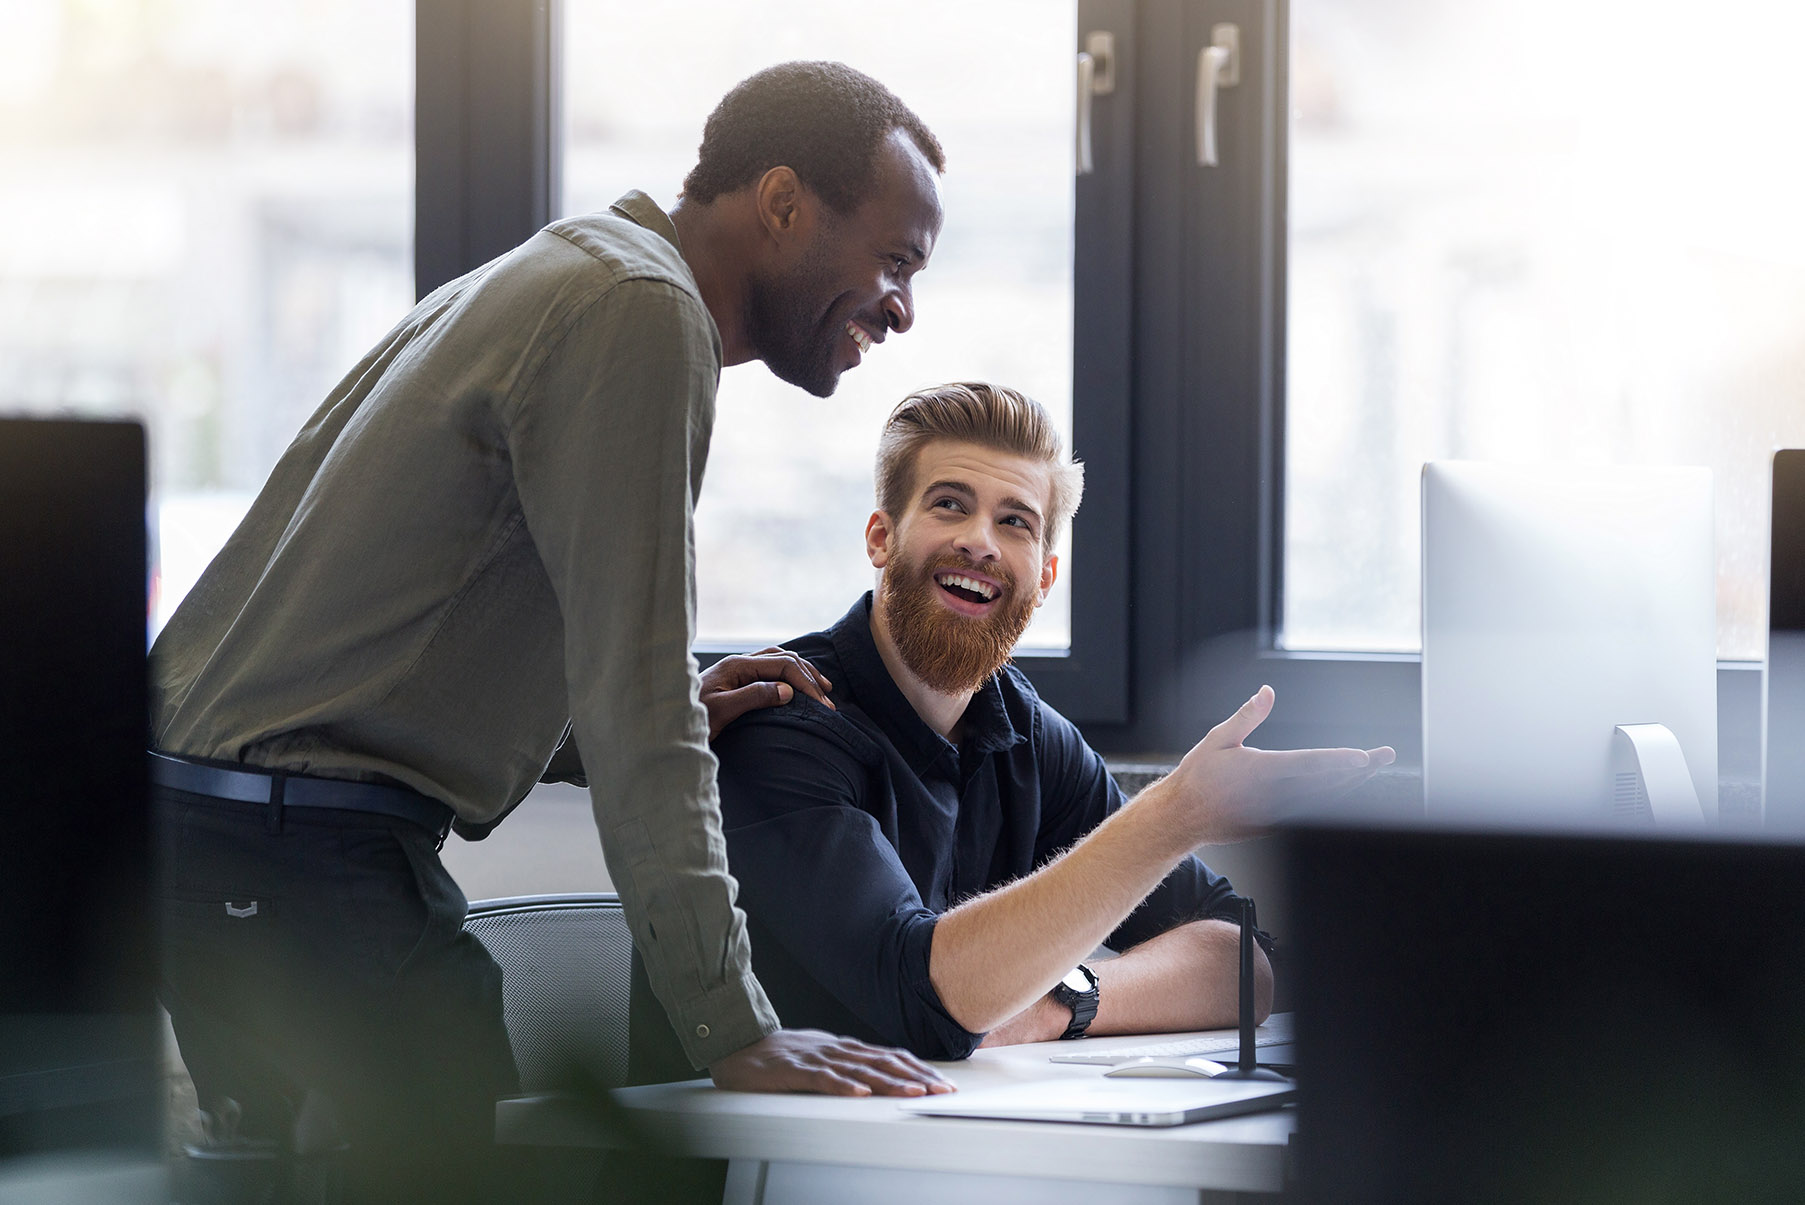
{"points": [[745, 682], [810, 1060], [1223, 791]]}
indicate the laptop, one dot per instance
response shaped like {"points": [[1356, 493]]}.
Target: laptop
{"points": [[1099, 1101]]}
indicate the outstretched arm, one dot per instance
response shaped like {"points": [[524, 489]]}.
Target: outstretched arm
{"points": [[994, 956]]}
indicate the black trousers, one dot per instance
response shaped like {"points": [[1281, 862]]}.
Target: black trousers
{"points": [[318, 976]]}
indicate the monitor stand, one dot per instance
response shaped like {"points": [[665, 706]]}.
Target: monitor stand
{"points": [[1248, 1067], [1651, 777]]}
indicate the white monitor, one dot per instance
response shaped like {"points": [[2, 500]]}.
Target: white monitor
{"points": [[1783, 701], [1569, 645]]}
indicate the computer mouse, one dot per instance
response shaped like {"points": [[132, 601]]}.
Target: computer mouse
{"points": [[1168, 1068]]}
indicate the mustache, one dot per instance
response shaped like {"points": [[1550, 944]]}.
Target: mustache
{"points": [[953, 563]]}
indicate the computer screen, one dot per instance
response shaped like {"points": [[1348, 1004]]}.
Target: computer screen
{"points": [[1783, 711], [1559, 604], [1516, 1017], [78, 1027]]}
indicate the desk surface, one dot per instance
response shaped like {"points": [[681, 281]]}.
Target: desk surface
{"points": [[1243, 1154]]}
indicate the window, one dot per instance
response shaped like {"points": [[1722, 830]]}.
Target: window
{"points": [[781, 521], [1043, 300], [205, 215], [1543, 231], [1330, 296]]}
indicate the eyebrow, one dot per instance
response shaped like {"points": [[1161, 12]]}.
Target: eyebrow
{"points": [[914, 250], [965, 491]]}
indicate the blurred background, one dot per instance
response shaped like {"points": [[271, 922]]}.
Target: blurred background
{"points": [[206, 217], [1534, 231], [1531, 231]]}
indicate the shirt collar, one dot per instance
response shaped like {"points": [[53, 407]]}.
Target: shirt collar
{"points": [[635, 206], [988, 728]]}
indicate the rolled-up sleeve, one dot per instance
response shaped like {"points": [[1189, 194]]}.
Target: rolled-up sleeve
{"points": [[821, 880], [609, 443], [1191, 892]]}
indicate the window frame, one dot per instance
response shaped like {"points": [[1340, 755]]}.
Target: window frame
{"points": [[486, 130]]}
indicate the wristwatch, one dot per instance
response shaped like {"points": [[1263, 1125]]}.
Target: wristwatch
{"points": [[1078, 992]]}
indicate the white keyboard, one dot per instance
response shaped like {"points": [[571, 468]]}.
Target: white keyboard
{"points": [[1276, 1031]]}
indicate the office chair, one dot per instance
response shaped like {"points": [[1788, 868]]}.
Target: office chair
{"points": [[566, 969], [565, 963]]}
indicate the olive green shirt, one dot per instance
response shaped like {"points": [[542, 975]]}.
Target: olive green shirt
{"points": [[486, 532]]}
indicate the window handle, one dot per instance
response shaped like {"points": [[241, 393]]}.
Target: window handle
{"points": [[1096, 77], [1218, 67]]}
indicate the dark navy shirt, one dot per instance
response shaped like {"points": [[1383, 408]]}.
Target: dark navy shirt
{"points": [[850, 831]]}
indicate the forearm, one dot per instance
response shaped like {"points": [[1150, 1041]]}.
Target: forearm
{"points": [[1186, 978], [993, 956], [607, 449]]}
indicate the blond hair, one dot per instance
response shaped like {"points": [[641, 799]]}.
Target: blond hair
{"points": [[990, 416]]}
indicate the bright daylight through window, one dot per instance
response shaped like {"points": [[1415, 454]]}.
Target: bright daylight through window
{"points": [[780, 527], [206, 218], [1534, 231]]}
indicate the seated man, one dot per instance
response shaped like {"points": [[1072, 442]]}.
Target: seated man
{"points": [[925, 863]]}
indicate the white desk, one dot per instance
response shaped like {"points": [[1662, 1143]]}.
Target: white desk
{"points": [[800, 1150]]}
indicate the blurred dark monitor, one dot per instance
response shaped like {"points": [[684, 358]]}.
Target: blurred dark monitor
{"points": [[78, 1027], [1783, 709], [1487, 1017]]}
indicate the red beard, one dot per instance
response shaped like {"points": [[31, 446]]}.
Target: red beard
{"points": [[951, 653]]}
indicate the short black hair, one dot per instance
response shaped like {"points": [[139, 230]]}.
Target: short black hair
{"points": [[823, 120]]}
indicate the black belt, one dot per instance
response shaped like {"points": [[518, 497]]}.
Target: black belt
{"points": [[275, 789]]}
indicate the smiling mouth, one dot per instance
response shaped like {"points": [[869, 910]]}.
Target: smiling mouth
{"points": [[859, 337], [966, 589]]}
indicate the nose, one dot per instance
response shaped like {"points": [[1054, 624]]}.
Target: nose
{"points": [[899, 308], [976, 540]]}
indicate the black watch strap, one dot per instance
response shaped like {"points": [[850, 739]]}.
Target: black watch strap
{"points": [[1082, 1003]]}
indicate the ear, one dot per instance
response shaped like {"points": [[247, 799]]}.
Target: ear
{"points": [[785, 208], [877, 539], [1049, 573]]}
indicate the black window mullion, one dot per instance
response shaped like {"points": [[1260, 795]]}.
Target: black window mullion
{"points": [[485, 130], [1090, 683], [1199, 376]]}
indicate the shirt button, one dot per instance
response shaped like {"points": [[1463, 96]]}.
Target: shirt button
{"points": [[701, 1031]]}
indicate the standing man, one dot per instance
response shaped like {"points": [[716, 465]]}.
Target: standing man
{"points": [[483, 539]]}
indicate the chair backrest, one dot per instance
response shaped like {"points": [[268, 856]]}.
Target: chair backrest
{"points": [[566, 969]]}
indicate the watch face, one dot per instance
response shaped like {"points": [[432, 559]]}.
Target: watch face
{"points": [[1076, 980]]}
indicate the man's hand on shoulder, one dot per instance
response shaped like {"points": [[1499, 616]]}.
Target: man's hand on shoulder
{"points": [[745, 682], [810, 1060]]}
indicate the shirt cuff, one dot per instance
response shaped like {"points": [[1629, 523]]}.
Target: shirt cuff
{"points": [[719, 1023]]}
